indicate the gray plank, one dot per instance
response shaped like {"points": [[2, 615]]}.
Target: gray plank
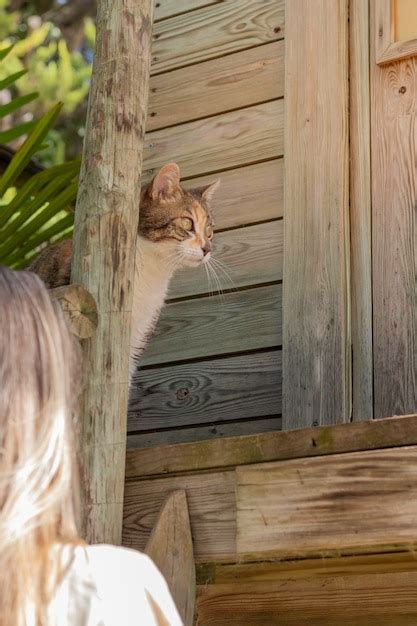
{"points": [[209, 326], [252, 255], [214, 431], [232, 388]]}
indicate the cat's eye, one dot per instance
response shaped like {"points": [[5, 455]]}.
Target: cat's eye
{"points": [[186, 223], [209, 231]]}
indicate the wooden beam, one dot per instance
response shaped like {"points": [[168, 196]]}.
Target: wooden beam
{"points": [[306, 442], [170, 546], [360, 502], [79, 307], [380, 599], [316, 336], [360, 212], [394, 232], [105, 230]]}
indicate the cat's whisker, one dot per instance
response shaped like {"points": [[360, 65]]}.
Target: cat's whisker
{"points": [[223, 269], [208, 280], [217, 281]]}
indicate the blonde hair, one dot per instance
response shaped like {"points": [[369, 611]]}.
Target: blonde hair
{"points": [[38, 474]]}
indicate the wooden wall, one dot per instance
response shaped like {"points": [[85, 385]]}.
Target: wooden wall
{"points": [[216, 108]]}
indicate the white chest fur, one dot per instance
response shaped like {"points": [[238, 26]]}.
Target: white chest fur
{"points": [[153, 273]]}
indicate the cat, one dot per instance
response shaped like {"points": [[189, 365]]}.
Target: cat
{"points": [[175, 231]]}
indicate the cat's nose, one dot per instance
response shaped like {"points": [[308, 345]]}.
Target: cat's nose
{"points": [[206, 248]]}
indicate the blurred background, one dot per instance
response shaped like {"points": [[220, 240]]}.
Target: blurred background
{"points": [[54, 41]]}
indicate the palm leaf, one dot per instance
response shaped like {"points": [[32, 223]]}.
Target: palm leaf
{"points": [[16, 103], [10, 80]]}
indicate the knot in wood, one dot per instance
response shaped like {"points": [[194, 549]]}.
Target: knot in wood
{"points": [[182, 393]]}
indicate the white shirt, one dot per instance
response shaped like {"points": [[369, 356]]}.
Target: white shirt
{"points": [[111, 586]]}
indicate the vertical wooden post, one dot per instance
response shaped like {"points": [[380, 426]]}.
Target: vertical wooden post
{"points": [[394, 225], [316, 342], [360, 212], [105, 232]]}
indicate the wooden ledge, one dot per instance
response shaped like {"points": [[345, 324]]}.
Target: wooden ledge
{"points": [[79, 307], [276, 446]]}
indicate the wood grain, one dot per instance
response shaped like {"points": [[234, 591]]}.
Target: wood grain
{"points": [[316, 356], [387, 49], [79, 308], [224, 573], [106, 220], [306, 442], [350, 503], [235, 322], [360, 212], [168, 8], [211, 505], [253, 193], [221, 142], [233, 388], [394, 235], [381, 599], [252, 256], [213, 432], [214, 31], [212, 87], [170, 547]]}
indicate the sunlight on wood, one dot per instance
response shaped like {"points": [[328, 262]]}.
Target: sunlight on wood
{"points": [[405, 19]]}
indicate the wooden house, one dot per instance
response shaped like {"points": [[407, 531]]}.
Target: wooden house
{"points": [[261, 408]]}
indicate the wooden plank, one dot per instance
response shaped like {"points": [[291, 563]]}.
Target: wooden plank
{"points": [[253, 193], [339, 504], [394, 235], [360, 212], [170, 547], [79, 308], [383, 599], [233, 388], [106, 223], [214, 432], [168, 8], [405, 20], [214, 31], [208, 88], [235, 322], [365, 564], [211, 505], [316, 357], [306, 442], [387, 49], [219, 142], [250, 256]]}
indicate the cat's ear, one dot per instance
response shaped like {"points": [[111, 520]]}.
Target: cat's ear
{"points": [[166, 182], [209, 191]]}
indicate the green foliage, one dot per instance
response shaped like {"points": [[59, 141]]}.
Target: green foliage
{"points": [[37, 211], [46, 65]]}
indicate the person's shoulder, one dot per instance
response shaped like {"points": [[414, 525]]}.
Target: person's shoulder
{"points": [[133, 577]]}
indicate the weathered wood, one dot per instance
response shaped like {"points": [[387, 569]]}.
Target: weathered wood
{"points": [[253, 193], [316, 357], [381, 599], [168, 8], [214, 431], [306, 442], [233, 388], [208, 326], [221, 573], [219, 142], [106, 221], [340, 504], [394, 235], [211, 505], [170, 546], [214, 31], [387, 47], [252, 256], [239, 80], [79, 307], [360, 212]]}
